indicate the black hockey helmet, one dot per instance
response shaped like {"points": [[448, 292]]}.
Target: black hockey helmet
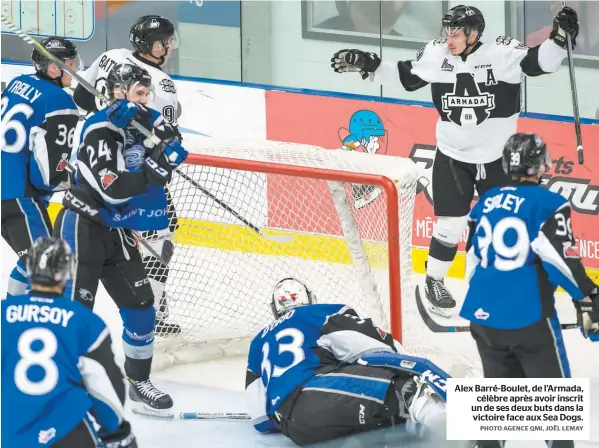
{"points": [[525, 155], [463, 17], [150, 29], [49, 262], [124, 76], [60, 47], [290, 293]]}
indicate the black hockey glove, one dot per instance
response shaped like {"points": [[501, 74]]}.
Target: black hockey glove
{"points": [[566, 21], [355, 61], [164, 158], [121, 438], [587, 316]]}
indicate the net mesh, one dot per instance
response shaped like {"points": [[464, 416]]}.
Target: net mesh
{"points": [[337, 235]]}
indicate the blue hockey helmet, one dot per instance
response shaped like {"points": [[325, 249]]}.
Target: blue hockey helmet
{"points": [[364, 124], [290, 293]]}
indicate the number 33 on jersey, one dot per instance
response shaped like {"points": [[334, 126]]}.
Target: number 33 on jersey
{"points": [[520, 249]]}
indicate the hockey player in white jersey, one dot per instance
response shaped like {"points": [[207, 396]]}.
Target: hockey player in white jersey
{"points": [[475, 86], [320, 372], [153, 38]]}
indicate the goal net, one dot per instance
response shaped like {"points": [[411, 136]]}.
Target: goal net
{"points": [[250, 213]]}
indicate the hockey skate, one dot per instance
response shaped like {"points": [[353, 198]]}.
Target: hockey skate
{"points": [[439, 297], [150, 401], [164, 328]]}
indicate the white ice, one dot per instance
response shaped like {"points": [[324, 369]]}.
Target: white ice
{"points": [[217, 386]]}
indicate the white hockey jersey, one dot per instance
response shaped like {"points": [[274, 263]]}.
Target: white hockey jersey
{"points": [[165, 93], [478, 98]]}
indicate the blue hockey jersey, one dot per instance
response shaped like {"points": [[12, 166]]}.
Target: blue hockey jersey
{"points": [[291, 350], [520, 249], [57, 365], [119, 195], [38, 125]]}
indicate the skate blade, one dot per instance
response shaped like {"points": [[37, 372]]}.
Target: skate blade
{"points": [[147, 411], [443, 312]]}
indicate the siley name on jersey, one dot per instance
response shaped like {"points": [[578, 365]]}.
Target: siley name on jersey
{"points": [[477, 95]]}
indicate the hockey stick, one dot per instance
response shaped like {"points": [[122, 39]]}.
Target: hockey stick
{"points": [[213, 416], [151, 138], [574, 96], [438, 328]]}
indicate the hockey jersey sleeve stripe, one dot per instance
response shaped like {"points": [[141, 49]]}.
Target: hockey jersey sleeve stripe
{"points": [[39, 149], [105, 333], [550, 56], [63, 112], [255, 397]]}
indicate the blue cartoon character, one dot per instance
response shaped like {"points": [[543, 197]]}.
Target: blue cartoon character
{"points": [[366, 134]]}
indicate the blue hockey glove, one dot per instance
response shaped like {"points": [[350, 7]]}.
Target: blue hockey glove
{"points": [[122, 112], [566, 21], [164, 159]]}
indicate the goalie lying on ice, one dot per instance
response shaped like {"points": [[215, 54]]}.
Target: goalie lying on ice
{"points": [[319, 372]]}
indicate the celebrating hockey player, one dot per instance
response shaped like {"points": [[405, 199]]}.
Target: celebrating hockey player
{"points": [[38, 124], [119, 188], [520, 249], [57, 364], [153, 38], [476, 89], [320, 372]]}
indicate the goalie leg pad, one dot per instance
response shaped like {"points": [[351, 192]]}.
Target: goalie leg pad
{"points": [[138, 330]]}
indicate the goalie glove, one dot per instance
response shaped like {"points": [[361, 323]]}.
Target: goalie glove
{"points": [[355, 61], [587, 316]]}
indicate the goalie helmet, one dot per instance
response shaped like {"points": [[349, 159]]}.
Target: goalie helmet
{"points": [[525, 155], [125, 76], [49, 262], [59, 47], [290, 293]]}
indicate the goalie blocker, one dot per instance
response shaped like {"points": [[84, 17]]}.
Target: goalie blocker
{"points": [[305, 377]]}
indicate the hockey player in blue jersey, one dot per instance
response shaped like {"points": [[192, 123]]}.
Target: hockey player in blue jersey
{"points": [[38, 124], [320, 372], [57, 364], [119, 187], [520, 249]]}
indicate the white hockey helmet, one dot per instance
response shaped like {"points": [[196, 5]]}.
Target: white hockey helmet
{"points": [[290, 293]]}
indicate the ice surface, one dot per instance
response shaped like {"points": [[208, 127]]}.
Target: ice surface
{"points": [[217, 386]]}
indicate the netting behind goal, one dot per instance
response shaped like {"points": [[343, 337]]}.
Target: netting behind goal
{"points": [[346, 221]]}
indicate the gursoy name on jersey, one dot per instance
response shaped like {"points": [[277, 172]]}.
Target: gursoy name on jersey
{"points": [[37, 313]]}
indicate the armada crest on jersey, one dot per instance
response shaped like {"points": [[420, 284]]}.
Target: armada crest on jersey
{"points": [[467, 104], [168, 86]]}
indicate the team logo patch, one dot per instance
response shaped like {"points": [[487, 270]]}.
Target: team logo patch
{"points": [[407, 364], [54, 44], [168, 86], [64, 162], [154, 23], [45, 436], [107, 177], [446, 66], [381, 332], [570, 250], [86, 295]]}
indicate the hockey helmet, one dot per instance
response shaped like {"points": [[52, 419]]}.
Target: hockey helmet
{"points": [[59, 47], [125, 76], [49, 262], [150, 29], [290, 293], [525, 155], [463, 17]]}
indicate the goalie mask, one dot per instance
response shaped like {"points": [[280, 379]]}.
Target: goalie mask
{"points": [[290, 293]]}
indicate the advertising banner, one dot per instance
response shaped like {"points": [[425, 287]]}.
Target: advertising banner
{"points": [[409, 131]]}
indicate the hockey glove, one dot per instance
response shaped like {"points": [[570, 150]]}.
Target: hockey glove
{"points": [[566, 21], [587, 316], [122, 112], [355, 61], [121, 438], [165, 157]]}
